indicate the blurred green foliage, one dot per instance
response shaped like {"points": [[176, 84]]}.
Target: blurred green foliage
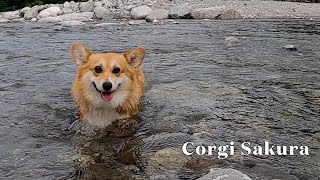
{"points": [[11, 5]]}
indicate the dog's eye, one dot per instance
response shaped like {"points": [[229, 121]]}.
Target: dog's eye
{"points": [[98, 69], [116, 70]]}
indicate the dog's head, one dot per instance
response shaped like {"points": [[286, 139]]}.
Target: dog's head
{"points": [[106, 77]]}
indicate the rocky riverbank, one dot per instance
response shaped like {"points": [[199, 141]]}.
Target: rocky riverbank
{"points": [[75, 13], [208, 82]]}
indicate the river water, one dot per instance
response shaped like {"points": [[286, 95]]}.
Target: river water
{"points": [[208, 82]]}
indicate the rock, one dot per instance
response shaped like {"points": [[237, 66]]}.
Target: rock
{"points": [[18, 20], [123, 14], [230, 14], [119, 4], [107, 4], [224, 174], [49, 12], [165, 176], [66, 5], [98, 4], [2, 20], [208, 13], [24, 10], [290, 48], [231, 39], [85, 16], [99, 12], [48, 20], [87, 6], [275, 173], [156, 22], [72, 3], [11, 15], [165, 160], [43, 14], [136, 22], [140, 12], [202, 164], [60, 6], [105, 24], [33, 12], [158, 14], [34, 19], [72, 23], [67, 11], [182, 11], [74, 6], [129, 152], [128, 8], [173, 21], [108, 16]]}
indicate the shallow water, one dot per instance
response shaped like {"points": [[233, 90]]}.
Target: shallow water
{"points": [[207, 82]]}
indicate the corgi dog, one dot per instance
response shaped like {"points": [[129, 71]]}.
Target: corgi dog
{"points": [[107, 86]]}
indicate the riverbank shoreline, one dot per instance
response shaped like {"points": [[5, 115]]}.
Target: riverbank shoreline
{"points": [[207, 81], [74, 13]]}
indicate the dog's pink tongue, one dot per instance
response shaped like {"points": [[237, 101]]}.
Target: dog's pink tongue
{"points": [[106, 96]]}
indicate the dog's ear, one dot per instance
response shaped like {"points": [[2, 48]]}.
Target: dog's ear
{"points": [[135, 56], [80, 54]]}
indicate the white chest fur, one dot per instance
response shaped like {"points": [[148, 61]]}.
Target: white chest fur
{"points": [[102, 117]]}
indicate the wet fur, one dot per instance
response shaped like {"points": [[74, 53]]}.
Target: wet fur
{"points": [[125, 99]]}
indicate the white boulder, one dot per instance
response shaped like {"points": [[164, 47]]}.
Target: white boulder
{"points": [[24, 10], [33, 12], [224, 174], [66, 11], [208, 13], [182, 11], [11, 14], [140, 12], [49, 12], [99, 12], [85, 16], [157, 14], [98, 4], [86, 6], [66, 5]]}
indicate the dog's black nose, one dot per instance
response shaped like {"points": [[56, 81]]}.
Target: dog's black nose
{"points": [[107, 86]]}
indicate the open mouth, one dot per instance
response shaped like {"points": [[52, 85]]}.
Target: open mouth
{"points": [[106, 96]]}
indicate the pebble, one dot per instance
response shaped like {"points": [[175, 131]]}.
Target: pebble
{"points": [[136, 22], [105, 24], [225, 174], [72, 23], [290, 48]]}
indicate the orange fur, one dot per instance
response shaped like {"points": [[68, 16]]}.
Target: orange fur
{"points": [[125, 99]]}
